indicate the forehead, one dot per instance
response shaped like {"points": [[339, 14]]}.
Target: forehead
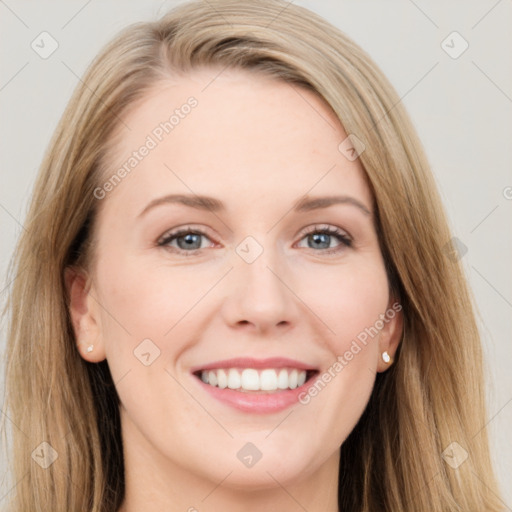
{"points": [[222, 133]]}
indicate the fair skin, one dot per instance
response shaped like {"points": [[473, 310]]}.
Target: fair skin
{"points": [[257, 146]]}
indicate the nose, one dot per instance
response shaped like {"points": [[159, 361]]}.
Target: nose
{"points": [[261, 298]]}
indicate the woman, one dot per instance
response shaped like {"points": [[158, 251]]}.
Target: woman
{"points": [[233, 291]]}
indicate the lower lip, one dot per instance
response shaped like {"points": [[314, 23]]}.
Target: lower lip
{"points": [[259, 403]]}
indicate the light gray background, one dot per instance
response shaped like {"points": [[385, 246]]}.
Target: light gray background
{"points": [[461, 108]]}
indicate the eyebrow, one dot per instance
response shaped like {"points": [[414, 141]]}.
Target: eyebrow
{"points": [[194, 201], [305, 204]]}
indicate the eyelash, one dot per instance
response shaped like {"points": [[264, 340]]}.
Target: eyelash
{"points": [[340, 235]]}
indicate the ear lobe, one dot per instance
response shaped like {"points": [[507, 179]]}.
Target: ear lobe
{"points": [[84, 315], [391, 333]]}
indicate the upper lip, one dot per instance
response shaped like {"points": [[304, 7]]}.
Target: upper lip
{"points": [[250, 362]]}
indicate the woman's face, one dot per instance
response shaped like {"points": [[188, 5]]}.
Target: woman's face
{"points": [[264, 283]]}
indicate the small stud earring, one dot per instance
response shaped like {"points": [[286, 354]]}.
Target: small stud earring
{"points": [[90, 348], [386, 357]]}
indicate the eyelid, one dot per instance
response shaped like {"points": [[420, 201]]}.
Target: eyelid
{"points": [[323, 227]]}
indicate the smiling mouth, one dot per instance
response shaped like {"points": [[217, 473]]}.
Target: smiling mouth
{"points": [[251, 380]]}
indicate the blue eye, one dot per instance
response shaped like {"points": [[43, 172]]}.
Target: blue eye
{"points": [[321, 238], [187, 240]]}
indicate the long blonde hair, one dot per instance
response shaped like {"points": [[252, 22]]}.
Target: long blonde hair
{"points": [[431, 397]]}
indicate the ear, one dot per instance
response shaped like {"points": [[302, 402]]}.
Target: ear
{"points": [[391, 333], [85, 316]]}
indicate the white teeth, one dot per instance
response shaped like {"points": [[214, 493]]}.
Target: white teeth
{"points": [[268, 380], [292, 379], [212, 378], [222, 379], [234, 381], [250, 379], [282, 380]]}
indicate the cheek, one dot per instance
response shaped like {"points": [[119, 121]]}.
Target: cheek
{"points": [[143, 299], [136, 293], [351, 300], [348, 300]]}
